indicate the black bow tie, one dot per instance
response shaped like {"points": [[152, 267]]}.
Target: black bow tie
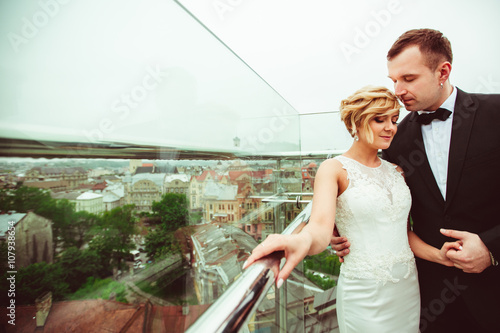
{"points": [[426, 118]]}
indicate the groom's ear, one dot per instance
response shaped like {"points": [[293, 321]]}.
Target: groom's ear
{"points": [[444, 70]]}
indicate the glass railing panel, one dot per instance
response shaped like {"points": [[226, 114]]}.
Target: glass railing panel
{"points": [[305, 302], [323, 134], [110, 128], [143, 74], [194, 264], [300, 305], [98, 126]]}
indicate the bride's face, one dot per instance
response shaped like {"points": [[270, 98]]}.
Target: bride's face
{"points": [[383, 128]]}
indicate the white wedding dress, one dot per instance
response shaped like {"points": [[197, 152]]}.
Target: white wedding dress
{"points": [[378, 288]]}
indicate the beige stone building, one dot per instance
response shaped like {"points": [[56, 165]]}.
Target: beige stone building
{"points": [[73, 177], [176, 183], [52, 185], [221, 204], [33, 237], [133, 165], [90, 202], [114, 196], [142, 189], [84, 201], [197, 188]]}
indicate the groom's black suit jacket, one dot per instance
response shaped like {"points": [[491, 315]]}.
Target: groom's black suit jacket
{"points": [[472, 203]]}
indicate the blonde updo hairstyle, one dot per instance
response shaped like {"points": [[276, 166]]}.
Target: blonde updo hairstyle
{"points": [[369, 102]]}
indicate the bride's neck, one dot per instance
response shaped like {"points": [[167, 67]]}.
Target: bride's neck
{"points": [[364, 156]]}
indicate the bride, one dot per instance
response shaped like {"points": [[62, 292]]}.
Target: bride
{"points": [[368, 201]]}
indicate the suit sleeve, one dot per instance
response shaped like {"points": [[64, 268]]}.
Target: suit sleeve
{"points": [[491, 239], [385, 156]]}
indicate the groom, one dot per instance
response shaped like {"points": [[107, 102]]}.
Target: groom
{"points": [[452, 166]]}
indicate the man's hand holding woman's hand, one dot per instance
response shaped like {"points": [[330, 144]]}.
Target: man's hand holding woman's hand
{"points": [[340, 245], [474, 256], [443, 252]]}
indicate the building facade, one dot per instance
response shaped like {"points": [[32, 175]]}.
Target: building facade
{"points": [[197, 187], [33, 237], [143, 189], [73, 177], [90, 202], [176, 183]]}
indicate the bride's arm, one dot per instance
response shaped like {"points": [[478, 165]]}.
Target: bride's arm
{"points": [[322, 221], [425, 251], [315, 236]]}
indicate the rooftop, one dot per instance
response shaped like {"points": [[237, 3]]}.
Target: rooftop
{"points": [[66, 195], [220, 191], [106, 316], [7, 219], [181, 177], [89, 196], [157, 178]]}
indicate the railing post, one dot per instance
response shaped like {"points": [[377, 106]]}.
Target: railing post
{"points": [[280, 294], [280, 306], [246, 293]]}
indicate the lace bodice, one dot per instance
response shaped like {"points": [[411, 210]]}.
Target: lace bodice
{"points": [[373, 213]]}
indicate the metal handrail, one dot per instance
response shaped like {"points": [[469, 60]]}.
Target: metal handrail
{"points": [[232, 311]]}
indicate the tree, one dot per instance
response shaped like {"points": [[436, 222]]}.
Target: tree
{"points": [[69, 228], [172, 210], [112, 236], [3, 255], [5, 200], [61, 213], [101, 288], [196, 217], [323, 262], [160, 242], [78, 233], [79, 265], [23, 199], [36, 279]]}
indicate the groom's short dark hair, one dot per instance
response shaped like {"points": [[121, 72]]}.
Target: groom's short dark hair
{"points": [[433, 45]]}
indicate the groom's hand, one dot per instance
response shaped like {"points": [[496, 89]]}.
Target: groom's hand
{"points": [[474, 256], [339, 244]]}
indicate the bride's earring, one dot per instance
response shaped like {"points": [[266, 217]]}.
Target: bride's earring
{"points": [[355, 134]]}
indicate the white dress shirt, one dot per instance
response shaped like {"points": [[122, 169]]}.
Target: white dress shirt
{"points": [[437, 137]]}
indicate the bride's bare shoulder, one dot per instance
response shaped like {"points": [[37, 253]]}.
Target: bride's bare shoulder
{"points": [[330, 166]]}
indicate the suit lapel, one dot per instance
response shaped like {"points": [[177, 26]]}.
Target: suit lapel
{"points": [[463, 118], [420, 159]]}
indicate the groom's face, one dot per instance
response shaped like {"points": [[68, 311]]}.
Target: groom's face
{"points": [[415, 84]]}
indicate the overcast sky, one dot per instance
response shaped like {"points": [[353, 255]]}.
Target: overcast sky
{"points": [[317, 52], [147, 72]]}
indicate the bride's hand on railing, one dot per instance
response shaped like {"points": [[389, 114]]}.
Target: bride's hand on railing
{"points": [[294, 247]]}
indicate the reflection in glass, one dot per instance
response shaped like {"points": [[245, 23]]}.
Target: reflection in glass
{"points": [[154, 160]]}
